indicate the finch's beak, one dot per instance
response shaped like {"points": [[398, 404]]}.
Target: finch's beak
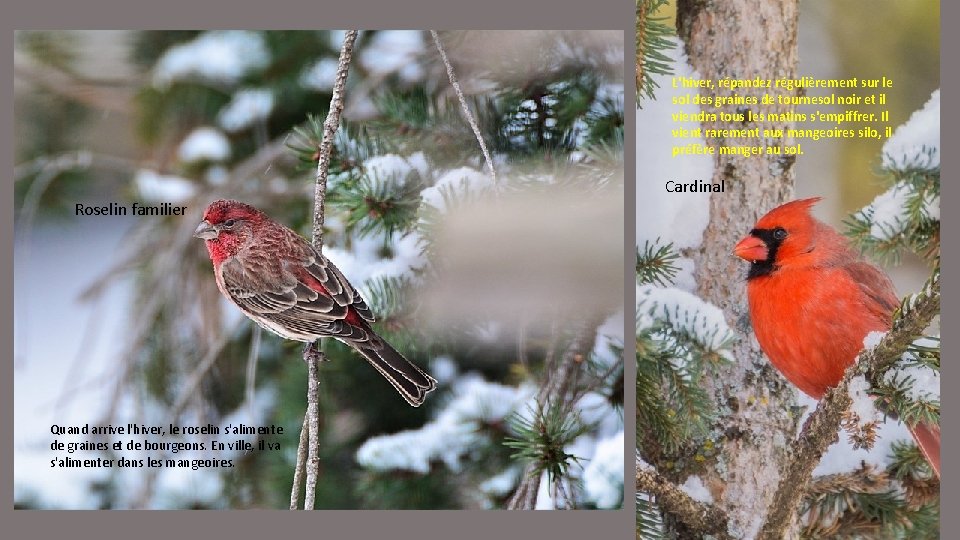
{"points": [[751, 248], [206, 231]]}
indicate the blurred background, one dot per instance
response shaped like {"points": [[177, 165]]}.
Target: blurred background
{"points": [[486, 285], [897, 40]]}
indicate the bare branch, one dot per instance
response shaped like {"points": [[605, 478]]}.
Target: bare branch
{"points": [[301, 463], [252, 359], [330, 126], [525, 496], [463, 104], [311, 355]]}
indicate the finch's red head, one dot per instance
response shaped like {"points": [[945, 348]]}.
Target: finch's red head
{"points": [[227, 226], [784, 236]]}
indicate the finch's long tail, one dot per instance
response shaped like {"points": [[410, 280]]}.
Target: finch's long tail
{"points": [[412, 382], [928, 439]]}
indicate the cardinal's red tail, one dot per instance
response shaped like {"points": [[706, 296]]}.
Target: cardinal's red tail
{"points": [[928, 439]]}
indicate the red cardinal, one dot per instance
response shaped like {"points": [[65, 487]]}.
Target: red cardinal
{"points": [[286, 286], [813, 300]]}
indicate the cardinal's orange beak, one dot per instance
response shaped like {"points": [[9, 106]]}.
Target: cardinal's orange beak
{"points": [[751, 248]]}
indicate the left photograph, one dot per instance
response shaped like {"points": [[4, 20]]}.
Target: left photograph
{"points": [[319, 269]]}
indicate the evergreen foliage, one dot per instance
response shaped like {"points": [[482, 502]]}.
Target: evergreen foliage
{"points": [[652, 39]]}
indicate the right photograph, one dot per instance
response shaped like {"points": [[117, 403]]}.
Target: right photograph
{"points": [[788, 270]]}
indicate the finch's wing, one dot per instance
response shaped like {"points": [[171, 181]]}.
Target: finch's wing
{"points": [[332, 281], [300, 300]]}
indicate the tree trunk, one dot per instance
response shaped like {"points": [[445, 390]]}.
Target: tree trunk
{"points": [[743, 39]]}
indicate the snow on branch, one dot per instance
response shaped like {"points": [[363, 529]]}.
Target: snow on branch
{"points": [[457, 430], [686, 313], [907, 214], [911, 386], [919, 135], [821, 428], [220, 57]]}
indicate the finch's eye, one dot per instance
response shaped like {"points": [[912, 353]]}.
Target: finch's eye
{"points": [[229, 223], [779, 233]]}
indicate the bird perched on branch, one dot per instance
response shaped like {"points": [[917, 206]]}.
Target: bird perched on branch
{"points": [[813, 300], [285, 285]]}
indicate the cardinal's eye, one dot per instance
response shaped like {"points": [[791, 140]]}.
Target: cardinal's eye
{"points": [[229, 223], [779, 233]]}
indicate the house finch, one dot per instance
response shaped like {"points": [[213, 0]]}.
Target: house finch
{"points": [[813, 300], [286, 286]]}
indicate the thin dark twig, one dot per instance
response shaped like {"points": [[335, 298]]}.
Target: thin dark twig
{"points": [[463, 105], [189, 388], [47, 172], [74, 379]]}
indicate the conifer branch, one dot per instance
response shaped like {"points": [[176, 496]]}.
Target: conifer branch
{"points": [[652, 40], [864, 504], [701, 518], [656, 263], [557, 393], [820, 429]]}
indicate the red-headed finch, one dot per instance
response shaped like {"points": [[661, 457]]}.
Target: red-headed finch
{"points": [[286, 286], [813, 300]]}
